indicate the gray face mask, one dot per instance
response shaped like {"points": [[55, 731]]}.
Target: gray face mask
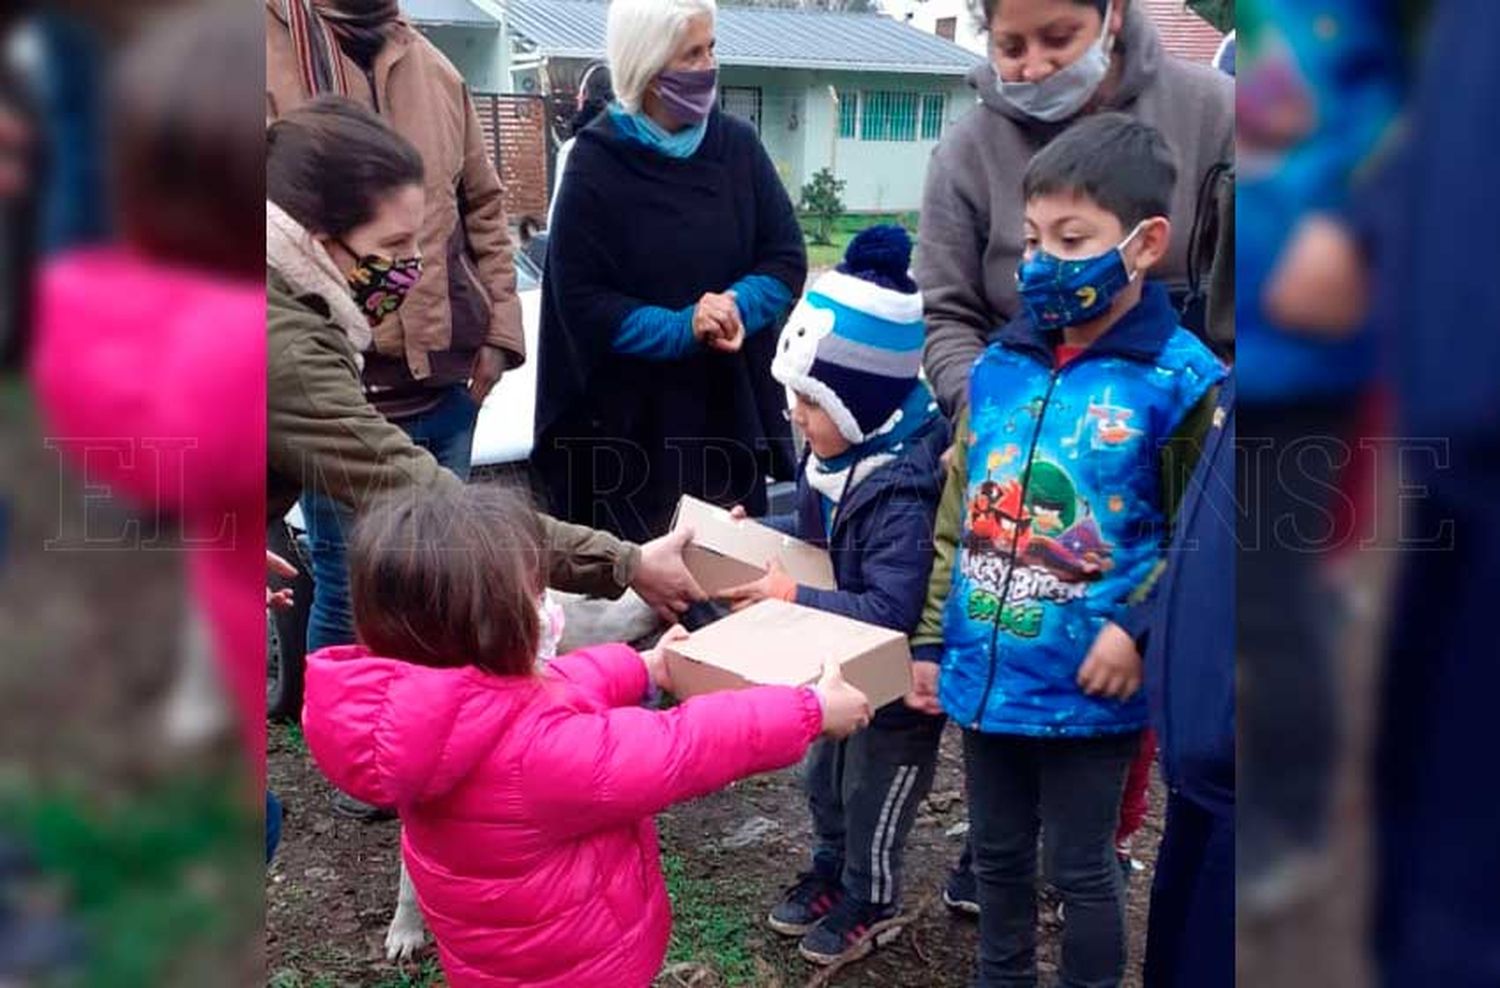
{"points": [[1064, 92]]}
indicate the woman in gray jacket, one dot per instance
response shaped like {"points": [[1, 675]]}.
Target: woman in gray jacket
{"points": [[1051, 62]]}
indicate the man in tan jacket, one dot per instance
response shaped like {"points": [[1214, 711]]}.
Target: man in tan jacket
{"points": [[462, 321]]}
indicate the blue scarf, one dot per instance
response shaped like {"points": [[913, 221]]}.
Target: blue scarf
{"points": [[831, 477], [641, 129]]}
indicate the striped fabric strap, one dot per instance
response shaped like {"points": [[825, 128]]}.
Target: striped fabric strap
{"points": [[317, 51]]}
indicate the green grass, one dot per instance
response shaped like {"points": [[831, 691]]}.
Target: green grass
{"points": [[288, 737], [844, 229], [163, 874], [430, 973], [287, 978], [704, 931], [426, 975]]}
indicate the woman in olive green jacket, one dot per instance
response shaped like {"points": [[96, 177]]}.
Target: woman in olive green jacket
{"points": [[343, 211]]}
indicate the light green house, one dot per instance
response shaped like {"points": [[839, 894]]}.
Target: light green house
{"points": [[862, 94], [472, 34]]}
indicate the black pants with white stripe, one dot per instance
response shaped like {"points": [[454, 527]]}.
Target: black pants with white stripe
{"points": [[864, 792]]}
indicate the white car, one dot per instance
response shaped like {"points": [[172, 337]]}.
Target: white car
{"points": [[503, 434]]}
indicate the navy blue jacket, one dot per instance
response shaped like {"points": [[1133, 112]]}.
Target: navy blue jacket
{"points": [[620, 439], [881, 542], [1435, 291], [1437, 915], [1186, 628]]}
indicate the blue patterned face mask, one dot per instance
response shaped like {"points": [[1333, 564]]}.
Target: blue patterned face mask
{"points": [[1060, 293]]}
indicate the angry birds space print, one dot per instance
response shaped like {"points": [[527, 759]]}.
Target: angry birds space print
{"points": [[1104, 426], [998, 520], [1032, 539], [1112, 427], [1067, 546]]}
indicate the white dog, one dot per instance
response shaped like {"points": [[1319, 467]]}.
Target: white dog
{"points": [[196, 712], [569, 622]]}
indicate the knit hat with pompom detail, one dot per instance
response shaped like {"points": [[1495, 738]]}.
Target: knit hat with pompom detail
{"points": [[854, 343]]}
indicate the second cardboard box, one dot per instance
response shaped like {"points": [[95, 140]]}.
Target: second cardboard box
{"points": [[774, 643]]}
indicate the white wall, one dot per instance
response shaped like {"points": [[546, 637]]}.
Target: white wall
{"points": [[783, 113], [879, 176], [477, 53]]}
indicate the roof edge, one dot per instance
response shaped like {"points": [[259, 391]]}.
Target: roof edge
{"points": [[752, 62]]}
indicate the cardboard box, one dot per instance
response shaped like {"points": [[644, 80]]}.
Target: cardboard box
{"points": [[726, 552], [774, 643]]}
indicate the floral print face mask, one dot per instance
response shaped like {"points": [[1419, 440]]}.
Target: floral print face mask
{"points": [[380, 284]]}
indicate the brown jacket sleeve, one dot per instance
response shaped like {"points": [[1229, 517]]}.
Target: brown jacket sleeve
{"points": [[588, 561], [489, 238], [950, 269]]}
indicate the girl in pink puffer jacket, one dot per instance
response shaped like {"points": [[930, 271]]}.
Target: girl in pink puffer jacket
{"points": [[150, 355], [525, 799]]}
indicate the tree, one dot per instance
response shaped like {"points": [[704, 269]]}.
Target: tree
{"points": [[1219, 13], [820, 199]]}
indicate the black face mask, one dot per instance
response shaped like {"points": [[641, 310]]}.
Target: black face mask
{"points": [[380, 284]]}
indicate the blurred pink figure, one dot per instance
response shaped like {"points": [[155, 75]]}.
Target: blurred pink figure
{"points": [[152, 379], [149, 362]]}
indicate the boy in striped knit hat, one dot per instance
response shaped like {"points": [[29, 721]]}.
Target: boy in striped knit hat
{"points": [[850, 357]]}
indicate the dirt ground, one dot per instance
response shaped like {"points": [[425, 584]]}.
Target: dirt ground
{"points": [[133, 837], [331, 891]]}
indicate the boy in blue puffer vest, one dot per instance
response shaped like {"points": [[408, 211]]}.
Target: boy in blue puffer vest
{"points": [[1083, 423], [849, 357]]}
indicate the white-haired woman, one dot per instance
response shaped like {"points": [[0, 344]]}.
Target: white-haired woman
{"points": [[674, 254]]}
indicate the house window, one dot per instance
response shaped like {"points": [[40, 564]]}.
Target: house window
{"points": [[848, 114], [947, 28], [889, 116], [742, 102], [933, 105]]}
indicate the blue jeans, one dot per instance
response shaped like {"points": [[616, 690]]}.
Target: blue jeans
{"points": [[273, 825], [1069, 789], [447, 432]]}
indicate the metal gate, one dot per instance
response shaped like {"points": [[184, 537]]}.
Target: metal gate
{"points": [[515, 134]]}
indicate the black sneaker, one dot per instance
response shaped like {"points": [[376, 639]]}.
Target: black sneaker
{"points": [[841, 935], [805, 903], [961, 894], [347, 806]]}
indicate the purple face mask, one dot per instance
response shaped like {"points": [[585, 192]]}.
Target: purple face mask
{"points": [[689, 95]]}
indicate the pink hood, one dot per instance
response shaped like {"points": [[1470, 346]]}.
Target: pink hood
{"points": [[152, 380], [159, 374], [526, 803]]}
